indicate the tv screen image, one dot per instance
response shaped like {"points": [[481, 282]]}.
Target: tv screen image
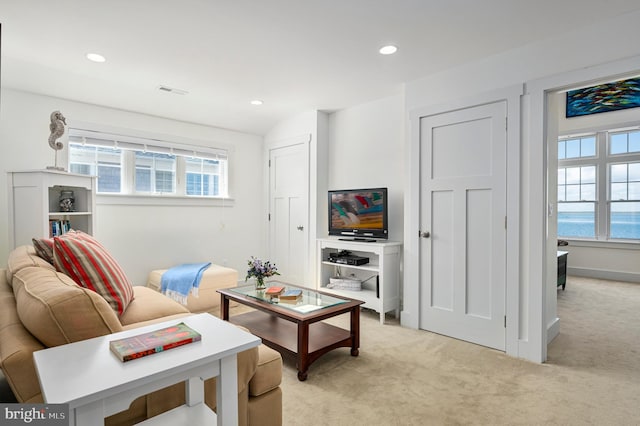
{"points": [[359, 212]]}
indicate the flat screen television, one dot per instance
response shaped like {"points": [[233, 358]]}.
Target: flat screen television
{"points": [[359, 214]]}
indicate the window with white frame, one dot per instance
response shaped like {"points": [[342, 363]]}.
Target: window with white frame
{"points": [[106, 163], [203, 176], [132, 165], [599, 186], [155, 173]]}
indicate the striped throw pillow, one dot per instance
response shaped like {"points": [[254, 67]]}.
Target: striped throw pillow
{"points": [[90, 265], [44, 248]]}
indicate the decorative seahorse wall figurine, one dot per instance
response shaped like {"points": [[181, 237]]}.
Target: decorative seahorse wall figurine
{"points": [[57, 129]]}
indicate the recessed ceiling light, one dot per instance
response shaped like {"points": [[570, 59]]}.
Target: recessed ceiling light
{"points": [[95, 57], [256, 102], [388, 50]]}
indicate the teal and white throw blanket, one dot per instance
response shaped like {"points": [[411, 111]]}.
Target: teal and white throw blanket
{"points": [[181, 280]]}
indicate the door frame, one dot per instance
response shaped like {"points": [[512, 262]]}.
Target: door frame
{"points": [[544, 246], [411, 291]]}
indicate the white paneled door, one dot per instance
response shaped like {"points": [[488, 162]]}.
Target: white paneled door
{"points": [[288, 211], [463, 224]]}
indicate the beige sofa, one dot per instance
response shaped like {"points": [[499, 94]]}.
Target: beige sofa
{"points": [[41, 308]]}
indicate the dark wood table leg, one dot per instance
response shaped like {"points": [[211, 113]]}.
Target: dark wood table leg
{"points": [[355, 331], [224, 308], [303, 350]]}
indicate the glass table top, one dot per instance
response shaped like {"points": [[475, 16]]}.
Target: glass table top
{"points": [[307, 301]]}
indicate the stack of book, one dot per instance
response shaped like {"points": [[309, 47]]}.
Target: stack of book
{"points": [[273, 291], [291, 296]]}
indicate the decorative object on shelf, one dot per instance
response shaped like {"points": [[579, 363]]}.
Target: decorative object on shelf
{"points": [[67, 200], [57, 129], [260, 270]]}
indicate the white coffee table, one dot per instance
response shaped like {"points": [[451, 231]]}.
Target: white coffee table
{"points": [[88, 376]]}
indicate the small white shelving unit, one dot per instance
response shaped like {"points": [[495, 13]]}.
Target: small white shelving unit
{"points": [[34, 201], [381, 276]]}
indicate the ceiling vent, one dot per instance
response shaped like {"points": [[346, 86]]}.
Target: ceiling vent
{"points": [[172, 90]]}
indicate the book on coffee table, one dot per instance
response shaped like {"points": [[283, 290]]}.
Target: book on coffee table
{"points": [[291, 296], [274, 291], [153, 342]]}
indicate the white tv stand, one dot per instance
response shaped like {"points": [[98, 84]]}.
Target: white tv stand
{"points": [[381, 290]]}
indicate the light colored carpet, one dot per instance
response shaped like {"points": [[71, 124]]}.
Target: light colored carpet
{"points": [[409, 377]]}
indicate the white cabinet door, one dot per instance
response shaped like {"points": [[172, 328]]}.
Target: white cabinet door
{"points": [[462, 219], [289, 212]]}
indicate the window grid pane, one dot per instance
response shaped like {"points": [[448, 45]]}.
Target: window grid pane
{"points": [[625, 182], [576, 220], [577, 183], [634, 142], [577, 147], [106, 163], [164, 181], [155, 172], [619, 173], [573, 148], [109, 178], [588, 147], [625, 220], [203, 176], [624, 142], [81, 169], [194, 184], [143, 179]]}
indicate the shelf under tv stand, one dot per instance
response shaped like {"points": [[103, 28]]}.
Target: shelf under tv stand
{"points": [[382, 294]]}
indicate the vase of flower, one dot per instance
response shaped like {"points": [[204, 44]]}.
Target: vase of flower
{"points": [[260, 270]]}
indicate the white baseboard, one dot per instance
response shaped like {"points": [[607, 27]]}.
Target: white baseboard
{"points": [[528, 351], [553, 329], [604, 274], [407, 320]]}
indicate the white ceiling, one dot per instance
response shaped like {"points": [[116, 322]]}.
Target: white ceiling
{"points": [[296, 55]]}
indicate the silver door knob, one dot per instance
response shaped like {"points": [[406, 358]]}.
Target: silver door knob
{"points": [[300, 228], [426, 234]]}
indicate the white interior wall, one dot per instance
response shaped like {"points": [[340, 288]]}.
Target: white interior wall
{"points": [[366, 150], [144, 237]]}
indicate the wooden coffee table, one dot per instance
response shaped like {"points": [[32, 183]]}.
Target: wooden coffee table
{"points": [[296, 330]]}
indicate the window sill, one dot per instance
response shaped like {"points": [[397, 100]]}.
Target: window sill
{"points": [[616, 244], [162, 200]]}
